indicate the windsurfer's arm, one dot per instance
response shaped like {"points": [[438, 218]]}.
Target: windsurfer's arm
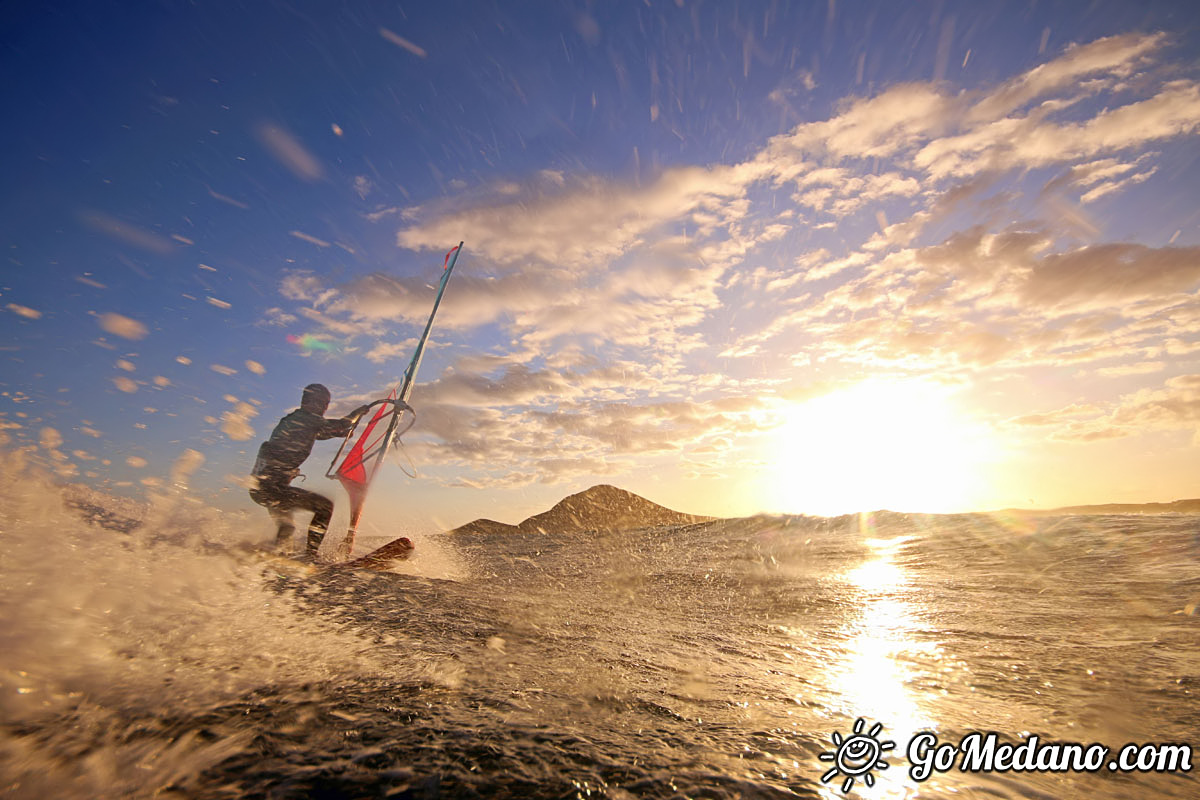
{"points": [[337, 428]]}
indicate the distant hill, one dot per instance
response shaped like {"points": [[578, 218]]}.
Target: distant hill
{"points": [[1177, 507], [600, 508]]}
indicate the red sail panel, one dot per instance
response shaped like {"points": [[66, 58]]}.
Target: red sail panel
{"points": [[357, 468]]}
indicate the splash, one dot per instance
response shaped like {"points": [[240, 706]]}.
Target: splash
{"points": [[108, 633]]}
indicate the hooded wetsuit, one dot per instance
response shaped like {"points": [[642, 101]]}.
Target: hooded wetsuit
{"points": [[278, 463]]}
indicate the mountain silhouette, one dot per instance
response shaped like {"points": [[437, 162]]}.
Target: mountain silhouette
{"points": [[1191, 506], [600, 508]]}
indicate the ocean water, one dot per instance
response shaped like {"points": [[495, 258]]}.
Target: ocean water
{"points": [[709, 661]]}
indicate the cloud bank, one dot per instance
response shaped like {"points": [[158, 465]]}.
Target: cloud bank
{"points": [[921, 230]]}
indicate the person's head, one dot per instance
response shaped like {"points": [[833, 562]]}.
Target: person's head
{"points": [[315, 399]]}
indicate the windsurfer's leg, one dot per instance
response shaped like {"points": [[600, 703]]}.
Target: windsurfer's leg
{"points": [[289, 497], [277, 502], [285, 531], [280, 500], [322, 514]]}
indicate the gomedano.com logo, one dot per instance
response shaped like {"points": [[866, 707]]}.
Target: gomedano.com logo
{"points": [[858, 755], [980, 752]]}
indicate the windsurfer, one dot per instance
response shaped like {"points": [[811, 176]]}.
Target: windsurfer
{"points": [[279, 460]]}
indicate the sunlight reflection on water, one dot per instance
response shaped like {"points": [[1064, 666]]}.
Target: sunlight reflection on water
{"points": [[871, 680]]}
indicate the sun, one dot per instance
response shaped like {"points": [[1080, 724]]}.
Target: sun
{"points": [[903, 445]]}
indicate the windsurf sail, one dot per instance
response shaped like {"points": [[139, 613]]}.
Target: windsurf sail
{"points": [[356, 469]]}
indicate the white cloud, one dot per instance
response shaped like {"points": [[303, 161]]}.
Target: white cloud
{"points": [[386, 351], [120, 325], [1031, 141], [304, 286], [585, 224], [1115, 55], [1111, 275], [613, 298], [1138, 368], [1109, 187], [24, 311], [1175, 405], [278, 317], [127, 233], [289, 151], [235, 423], [301, 235], [875, 127]]}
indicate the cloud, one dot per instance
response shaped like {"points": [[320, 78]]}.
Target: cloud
{"points": [[1110, 274], [1177, 404], [401, 42], [1072, 411], [840, 192], [1173, 406], [235, 423], [606, 302], [585, 224], [584, 438], [1089, 173], [658, 292], [277, 317], [353, 327], [1109, 187], [476, 300], [386, 351], [987, 299], [1115, 55], [876, 127], [24, 311], [226, 199], [559, 234], [832, 267], [301, 235], [1139, 368], [127, 233], [1032, 142], [519, 385], [580, 224], [120, 325], [923, 126], [306, 287], [288, 151]]}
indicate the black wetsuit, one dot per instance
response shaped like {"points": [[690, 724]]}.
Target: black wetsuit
{"points": [[278, 463]]}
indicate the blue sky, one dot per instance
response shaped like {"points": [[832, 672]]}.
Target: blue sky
{"points": [[736, 257]]}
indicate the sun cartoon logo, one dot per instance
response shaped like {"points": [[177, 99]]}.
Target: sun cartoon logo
{"points": [[856, 755]]}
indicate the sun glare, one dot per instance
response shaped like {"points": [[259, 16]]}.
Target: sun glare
{"points": [[902, 445]]}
